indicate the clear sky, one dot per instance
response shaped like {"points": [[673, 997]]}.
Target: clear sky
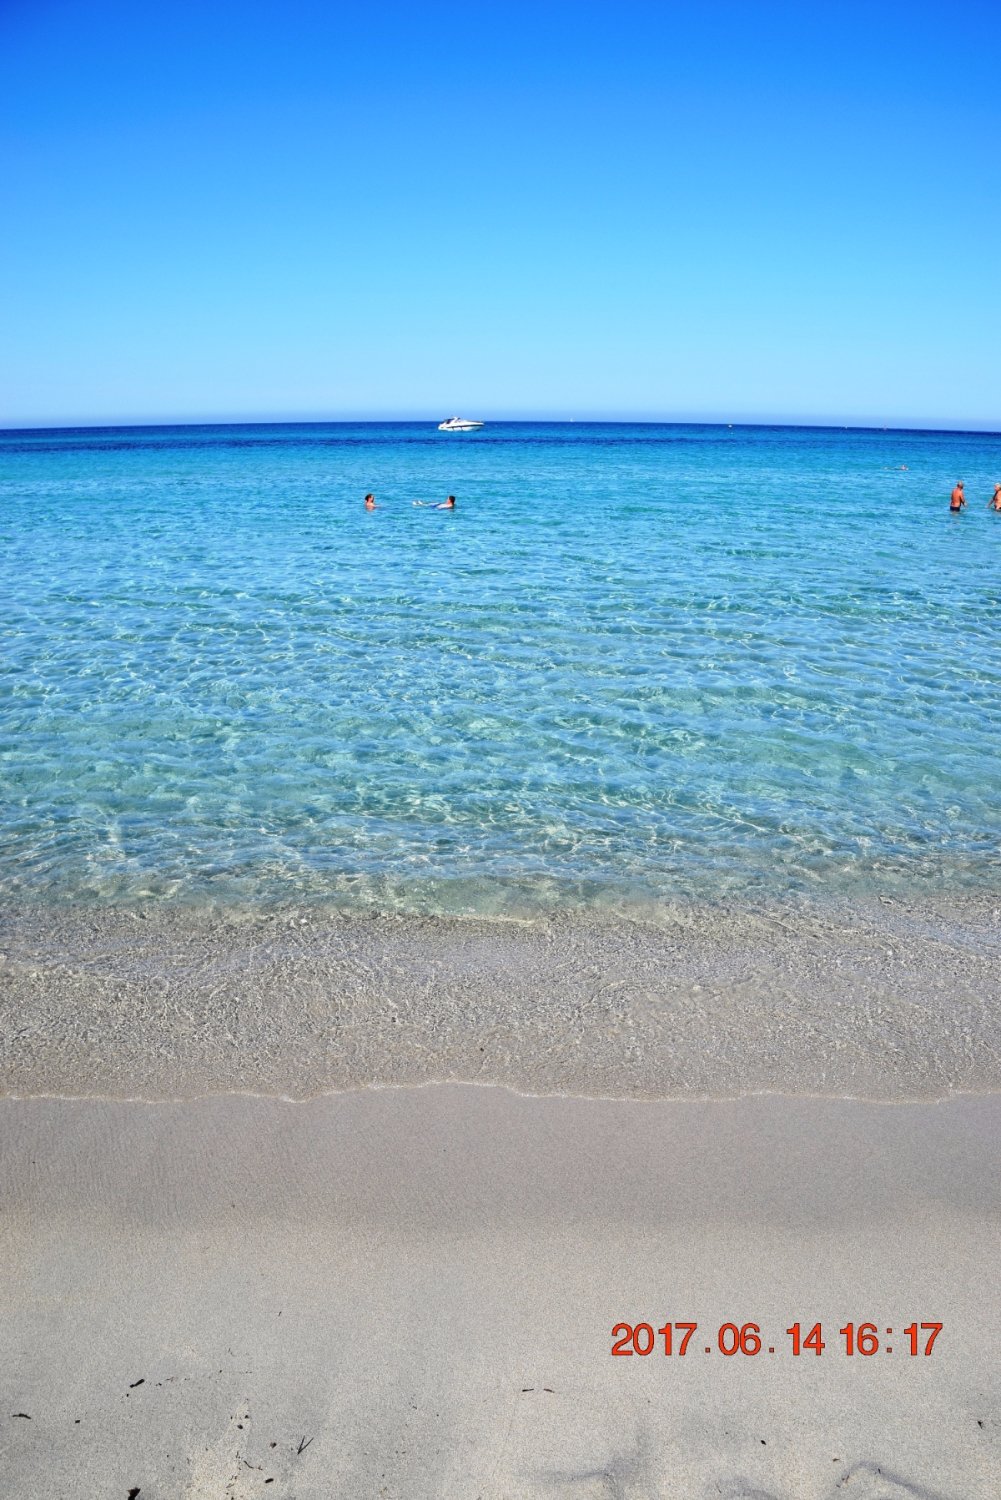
{"points": [[720, 210]]}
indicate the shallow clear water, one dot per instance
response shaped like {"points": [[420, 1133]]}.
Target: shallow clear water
{"points": [[636, 662]]}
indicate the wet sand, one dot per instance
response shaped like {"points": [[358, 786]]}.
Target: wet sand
{"points": [[410, 1293], [884, 1000]]}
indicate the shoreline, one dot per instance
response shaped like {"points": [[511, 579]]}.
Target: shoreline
{"points": [[421, 1285], [873, 1000]]}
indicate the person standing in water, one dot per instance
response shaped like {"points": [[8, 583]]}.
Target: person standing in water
{"points": [[995, 502], [370, 503], [957, 499]]}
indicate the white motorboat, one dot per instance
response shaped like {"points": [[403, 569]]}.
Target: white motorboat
{"points": [[458, 424]]}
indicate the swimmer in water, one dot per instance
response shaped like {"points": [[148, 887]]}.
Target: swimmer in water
{"points": [[995, 501], [370, 503], [957, 500], [448, 504]]}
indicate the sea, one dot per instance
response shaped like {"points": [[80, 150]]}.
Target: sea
{"points": [[635, 663]]}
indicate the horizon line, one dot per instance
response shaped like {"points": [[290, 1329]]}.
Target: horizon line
{"points": [[231, 422]]}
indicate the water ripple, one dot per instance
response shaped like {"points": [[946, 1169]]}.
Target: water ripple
{"points": [[636, 661]]}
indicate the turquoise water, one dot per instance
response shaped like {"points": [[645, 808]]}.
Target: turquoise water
{"points": [[637, 661]]}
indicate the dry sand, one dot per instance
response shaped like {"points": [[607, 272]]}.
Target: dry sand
{"points": [[420, 1286]]}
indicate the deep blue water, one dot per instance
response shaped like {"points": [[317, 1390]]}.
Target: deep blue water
{"points": [[635, 661]]}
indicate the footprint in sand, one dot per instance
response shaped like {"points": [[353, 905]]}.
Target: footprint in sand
{"points": [[870, 1482]]}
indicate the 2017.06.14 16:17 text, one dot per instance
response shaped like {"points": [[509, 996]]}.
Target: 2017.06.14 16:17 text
{"points": [[866, 1339]]}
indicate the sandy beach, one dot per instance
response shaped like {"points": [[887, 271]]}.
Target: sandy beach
{"points": [[266, 1250], [411, 1293]]}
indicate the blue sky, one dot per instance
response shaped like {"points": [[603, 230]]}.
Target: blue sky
{"points": [[723, 211]]}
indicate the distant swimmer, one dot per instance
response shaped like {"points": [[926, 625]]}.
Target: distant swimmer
{"points": [[995, 501], [957, 499], [370, 503], [448, 504]]}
